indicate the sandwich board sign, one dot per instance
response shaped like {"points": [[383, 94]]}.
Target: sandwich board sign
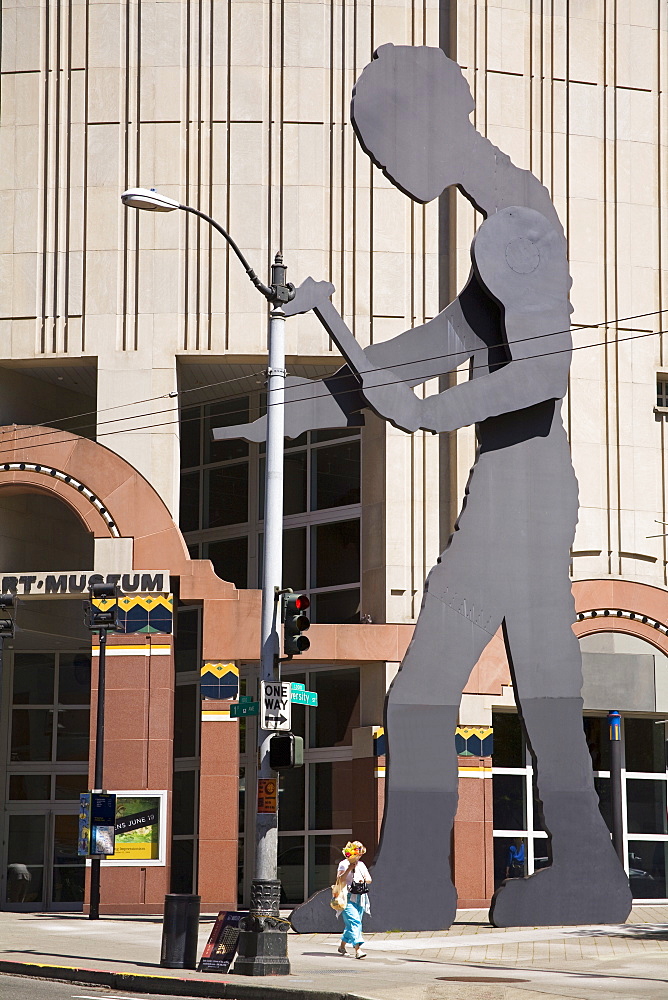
{"points": [[275, 705]]}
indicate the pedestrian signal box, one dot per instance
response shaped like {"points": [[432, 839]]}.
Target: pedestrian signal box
{"points": [[285, 751], [295, 622]]}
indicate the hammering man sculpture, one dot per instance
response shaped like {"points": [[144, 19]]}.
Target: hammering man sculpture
{"points": [[506, 563]]}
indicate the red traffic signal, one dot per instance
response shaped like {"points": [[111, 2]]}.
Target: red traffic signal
{"points": [[295, 622]]}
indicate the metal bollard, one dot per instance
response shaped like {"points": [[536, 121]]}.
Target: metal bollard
{"points": [[179, 931]]}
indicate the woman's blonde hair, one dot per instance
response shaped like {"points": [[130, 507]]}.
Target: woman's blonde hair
{"points": [[354, 847]]}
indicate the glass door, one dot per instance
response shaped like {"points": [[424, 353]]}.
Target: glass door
{"points": [[44, 871], [44, 719]]}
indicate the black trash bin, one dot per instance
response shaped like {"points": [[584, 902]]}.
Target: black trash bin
{"points": [[179, 931]]}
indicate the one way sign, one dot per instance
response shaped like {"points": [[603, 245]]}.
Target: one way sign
{"points": [[275, 705]]}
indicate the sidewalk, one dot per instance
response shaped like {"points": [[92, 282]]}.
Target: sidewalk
{"points": [[471, 961]]}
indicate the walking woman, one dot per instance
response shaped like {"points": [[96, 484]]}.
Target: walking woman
{"points": [[354, 874]]}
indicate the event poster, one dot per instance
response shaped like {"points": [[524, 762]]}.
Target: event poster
{"points": [[137, 828], [222, 944]]}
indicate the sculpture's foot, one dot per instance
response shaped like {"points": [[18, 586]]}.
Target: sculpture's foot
{"points": [[575, 894], [397, 902], [400, 903]]}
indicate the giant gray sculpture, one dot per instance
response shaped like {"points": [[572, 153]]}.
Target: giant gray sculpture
{"points": [[507, 561]]}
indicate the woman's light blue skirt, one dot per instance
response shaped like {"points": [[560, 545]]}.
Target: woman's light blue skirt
{"points": [[352, 920]]}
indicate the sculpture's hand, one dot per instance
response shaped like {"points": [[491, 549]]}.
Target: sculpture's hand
{"points": [[309, 295]]}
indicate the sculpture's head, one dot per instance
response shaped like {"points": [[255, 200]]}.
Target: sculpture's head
{"points": [[410, 110]]}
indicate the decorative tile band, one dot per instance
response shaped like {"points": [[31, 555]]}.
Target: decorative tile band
{"points": [[379, 741], [219, 680], [142, 613], [474, 741]]}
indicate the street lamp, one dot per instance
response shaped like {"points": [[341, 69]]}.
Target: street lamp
{"points": [[100, 620], [263, 942]]}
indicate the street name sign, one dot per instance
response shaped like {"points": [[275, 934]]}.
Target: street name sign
{"points": [[244, 708], [275, 706], [304, 698]]}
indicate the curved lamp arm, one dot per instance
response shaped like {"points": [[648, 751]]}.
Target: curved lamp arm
{"points": [[153, 201]]}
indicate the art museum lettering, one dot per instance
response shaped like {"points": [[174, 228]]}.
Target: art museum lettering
{"points": [[67, 584]]}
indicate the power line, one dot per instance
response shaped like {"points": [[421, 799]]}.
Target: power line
{"points": [[241, 378], [167, 423]]}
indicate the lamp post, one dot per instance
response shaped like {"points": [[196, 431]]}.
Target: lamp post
{"points": [[100, 620], [263, 946]]}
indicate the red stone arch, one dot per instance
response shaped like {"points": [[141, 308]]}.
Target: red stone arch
{"points": [[108, 496], [640, 600]]}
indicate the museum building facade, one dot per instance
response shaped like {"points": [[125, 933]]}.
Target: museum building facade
{"points": [[129, 337]]}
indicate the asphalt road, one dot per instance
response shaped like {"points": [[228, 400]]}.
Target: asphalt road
{"points": [[20, 988]]}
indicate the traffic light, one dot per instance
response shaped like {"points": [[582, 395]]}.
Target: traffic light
{"points": [[102, 617], [6, 616], [295, 622], [285, 750]]}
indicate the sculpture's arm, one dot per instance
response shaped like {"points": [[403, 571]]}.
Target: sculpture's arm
{"points": [[310, 404], [537, 371]]}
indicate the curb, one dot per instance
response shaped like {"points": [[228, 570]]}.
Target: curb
{"points": [[168, 985]]}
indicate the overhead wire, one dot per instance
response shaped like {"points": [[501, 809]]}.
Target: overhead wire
{"points": [[638, 336]]}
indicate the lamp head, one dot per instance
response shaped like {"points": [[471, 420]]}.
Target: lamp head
{"points": [[149, 200]]}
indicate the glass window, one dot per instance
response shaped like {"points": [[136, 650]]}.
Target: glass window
{"points": [[508, 740], [336, 607], [225, 496], [291, 801], [291, 868], [602, 786], [647, 869], [294, 558], [324, 855], [190, 437], [186, 720], [224, 414], [32, 734], [538, 821], [597, 734], [336, 475], [183, 802], [294, 483], [333, 435], [74, 678], [242, 799], [646, 806], [29, 786], [339, 691], [183, 858], [509, 792], [510, 858], [189, 502], [70, 786], [330, 806], [335, 553], [33, 678], [25, 859], [645, 745], [68, 883], [230, 560], [26, 840], [186, 640], [73, 734]]}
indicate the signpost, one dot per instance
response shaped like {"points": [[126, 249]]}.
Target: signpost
{"points": [[275, 707]]}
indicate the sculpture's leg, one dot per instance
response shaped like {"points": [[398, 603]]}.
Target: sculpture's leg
{"points": [[586, 883], [412, 886]]}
